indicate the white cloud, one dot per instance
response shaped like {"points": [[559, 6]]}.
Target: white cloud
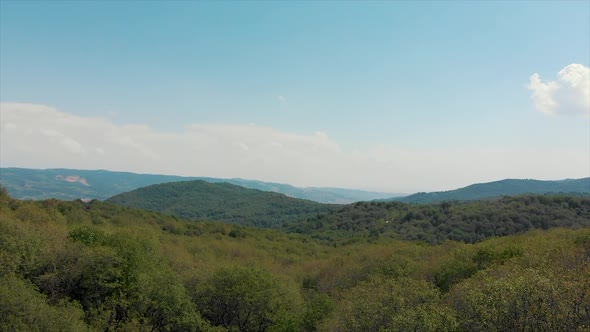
{"points": [[569, 94], [39, 136], [69, 144], [281, 99]]}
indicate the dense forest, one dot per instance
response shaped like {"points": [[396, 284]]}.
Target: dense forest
{"points": [[221, 201], [76, 266], [435, 223], [470, 221]]}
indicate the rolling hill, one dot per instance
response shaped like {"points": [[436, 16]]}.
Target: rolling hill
{"points": [[508, 187], [95, 266], [469, 222], [233, 204], [69, 184]]}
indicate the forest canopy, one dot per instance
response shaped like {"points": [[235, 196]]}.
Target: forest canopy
{"points": [[96, 266]]}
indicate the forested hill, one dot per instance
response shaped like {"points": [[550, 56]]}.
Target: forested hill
{"points": [[508, 187], [221, 201], [69, 184], [75, 266], [435, 223]]}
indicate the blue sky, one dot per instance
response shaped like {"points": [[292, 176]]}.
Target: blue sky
{"points": [[393, 83]]}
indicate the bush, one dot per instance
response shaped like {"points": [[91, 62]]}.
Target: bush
{"points": [[23, 308], [248, 299]]}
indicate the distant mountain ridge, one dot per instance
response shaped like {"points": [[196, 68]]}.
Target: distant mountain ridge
{"points": [[69, 184], [508, 187], [198, 200]]}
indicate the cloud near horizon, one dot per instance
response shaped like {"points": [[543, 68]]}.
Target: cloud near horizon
{"points": [[568, 95], [39, 136]]}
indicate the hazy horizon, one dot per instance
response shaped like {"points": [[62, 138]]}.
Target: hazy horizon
{"points": [[385, 96], [394, 194]]}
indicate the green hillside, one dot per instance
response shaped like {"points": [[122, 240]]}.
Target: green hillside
{"points": [[69, 184], [509, 187], [436, 223], [74, 266], [221, 201]]}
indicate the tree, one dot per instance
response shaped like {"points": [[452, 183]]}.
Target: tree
{"points": [[248, 299], [512, 298], [23, 308], [387, 304]]}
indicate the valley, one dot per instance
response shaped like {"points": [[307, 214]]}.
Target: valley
{"points": [[294, 166], [90, 266]]}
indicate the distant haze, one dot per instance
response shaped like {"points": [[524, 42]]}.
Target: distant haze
{"points": [[43, 137], [69, 184]]}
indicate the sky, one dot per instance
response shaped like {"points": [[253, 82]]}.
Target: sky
{"points": [[393, 96]]}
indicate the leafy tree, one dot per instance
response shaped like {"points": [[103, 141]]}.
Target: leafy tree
{"points": [[512, 298], [23, 308], [435, 223], [123, 269], [248, 299], [318, 306], [465, 263], [384, 304], [166, 305]]}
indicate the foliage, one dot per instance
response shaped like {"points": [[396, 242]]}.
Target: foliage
{"points": [[388, 304], [524, 299], [466, 263], [319, 307], [221, 201], [248, 299], [75, 266], [23, 308], [468, 222]]}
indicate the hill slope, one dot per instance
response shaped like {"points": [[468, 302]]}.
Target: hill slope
{"points": [[75, 266], [508, 187], [221, 201], [436, 223], [69, 184]]}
